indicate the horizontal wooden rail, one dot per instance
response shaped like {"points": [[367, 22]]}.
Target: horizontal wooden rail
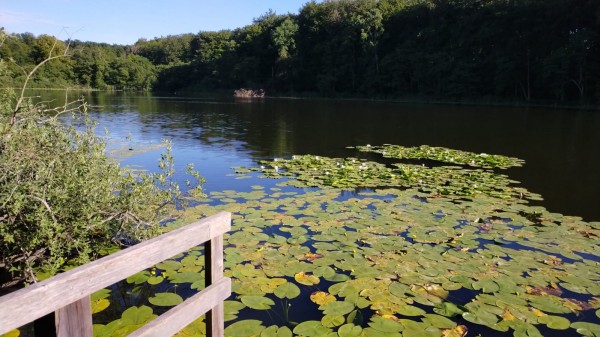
{"points": [[69, 292], [185, 313]]}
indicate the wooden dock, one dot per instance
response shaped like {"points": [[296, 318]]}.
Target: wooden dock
{"points": [[68, 294]]}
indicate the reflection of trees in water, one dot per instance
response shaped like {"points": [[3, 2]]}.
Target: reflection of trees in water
{"points": [[562, 144]]}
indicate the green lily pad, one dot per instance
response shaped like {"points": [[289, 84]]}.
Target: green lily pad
{"points": [[257, 302], [448, 309], [385, 325], [137, 315], [244, 328], [555, 322], [481, 317], [337, 308], [287, 290], [311, 329], [331, 321], [587, 329], [100, 294], [349, 330], [439, 321], [165, 299], [138, 278], [275, 331], [154, 280], [185, 277]]}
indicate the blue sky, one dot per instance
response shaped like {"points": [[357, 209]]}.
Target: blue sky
{"points": [[125, 21]]}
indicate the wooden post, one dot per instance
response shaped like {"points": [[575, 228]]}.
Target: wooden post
{"points": [[68, 294], [213, 252], [75, 319]]}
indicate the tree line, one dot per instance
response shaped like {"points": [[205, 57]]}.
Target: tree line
{"points": [[544, 51]]}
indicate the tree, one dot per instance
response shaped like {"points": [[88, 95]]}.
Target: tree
{"points": [[63, 200]]}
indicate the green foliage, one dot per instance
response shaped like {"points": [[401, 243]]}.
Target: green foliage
{"points": [[62, 198], [505, 51]]}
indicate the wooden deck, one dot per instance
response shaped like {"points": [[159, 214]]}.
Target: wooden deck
{"points": [[68, 294]]}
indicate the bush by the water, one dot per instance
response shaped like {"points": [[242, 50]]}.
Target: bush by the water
{"points": [[62, 200]]}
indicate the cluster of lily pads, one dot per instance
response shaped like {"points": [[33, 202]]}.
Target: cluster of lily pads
{"points": [[401, 262], [443, 154], [324, 172]]}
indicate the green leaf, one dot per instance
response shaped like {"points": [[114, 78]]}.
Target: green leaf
{"points": [[257, 302], [138, 278], [337, 308], [287, 290], [587, 329], [487, 286], [555, 322], [311, 329], [165, 299], [448, 309], [385, 325], [154, 280], [349, 330], [137, 315], [480, 317], [275, 331], [410, 310], [331, 321], [245, 328], [440, 321]]}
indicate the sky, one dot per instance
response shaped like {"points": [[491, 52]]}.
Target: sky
{"points": [[126, 21]]}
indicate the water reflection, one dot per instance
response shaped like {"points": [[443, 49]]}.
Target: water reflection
{"points": [[561, 147]]}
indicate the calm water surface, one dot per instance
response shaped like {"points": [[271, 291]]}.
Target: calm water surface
{"points": [[561, 147]]}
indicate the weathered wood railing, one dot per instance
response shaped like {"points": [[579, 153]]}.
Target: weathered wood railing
{"points": [[68, 294]]}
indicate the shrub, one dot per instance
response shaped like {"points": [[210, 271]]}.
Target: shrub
{"points": [[61, 197]]}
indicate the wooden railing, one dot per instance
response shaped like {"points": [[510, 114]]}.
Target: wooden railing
{"points": [[68, 294]]}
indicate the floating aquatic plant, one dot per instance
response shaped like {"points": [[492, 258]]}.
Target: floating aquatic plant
{"points": [[402, 259]]}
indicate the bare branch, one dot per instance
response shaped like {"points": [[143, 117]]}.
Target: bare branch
{"points": [[45, 203]]}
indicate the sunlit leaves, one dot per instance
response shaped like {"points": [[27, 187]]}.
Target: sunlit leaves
{"points": [[287, 290], [165, 299], [244, 328], [311, 329], [322, 298], [100, 300], [306, 279], [275, 331], [257, 302], [406, 258], [445, 155]]}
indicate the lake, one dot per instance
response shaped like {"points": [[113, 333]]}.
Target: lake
{"points": [[478, 260], [561, 148]]}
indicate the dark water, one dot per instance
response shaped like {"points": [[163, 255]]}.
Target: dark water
{"points": [[561, 147]]}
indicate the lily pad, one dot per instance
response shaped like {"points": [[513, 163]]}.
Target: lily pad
{"points": [[137, 315], [312, 329], [322, 298], [337, 308], [555, 322], [275, 331], [287, 290], [244, 328], [331, 321], [306, 279], [165, 299], [587, 329], [257, 302]]}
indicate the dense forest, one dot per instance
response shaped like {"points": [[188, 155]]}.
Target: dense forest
{"points": [[539, 51]]}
